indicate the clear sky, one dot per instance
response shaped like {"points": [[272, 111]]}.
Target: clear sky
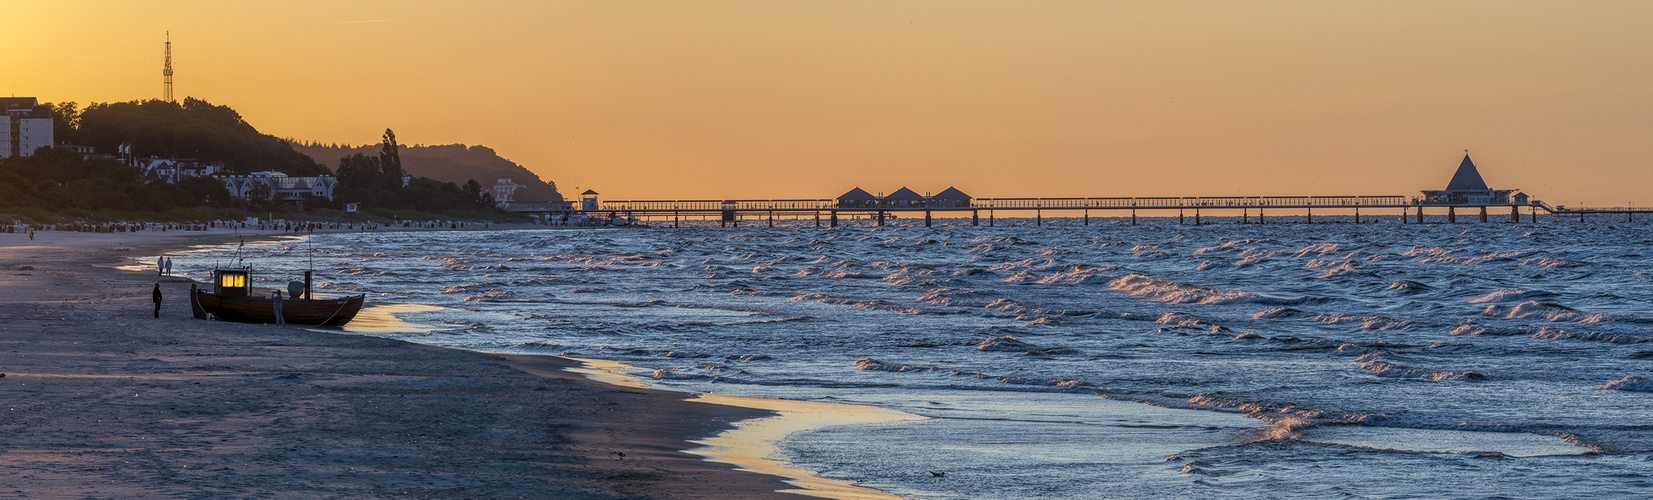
{"points": [[777, 98]]}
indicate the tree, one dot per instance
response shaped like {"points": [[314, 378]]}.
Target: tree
{"points": [[360, 177], [390, 160], [65, 120], [473, 190]]}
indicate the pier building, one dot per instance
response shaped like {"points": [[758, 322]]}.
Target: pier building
{"points": [[1468, 188]]}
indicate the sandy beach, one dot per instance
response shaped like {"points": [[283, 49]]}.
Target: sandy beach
{"points": [[102, 400]]}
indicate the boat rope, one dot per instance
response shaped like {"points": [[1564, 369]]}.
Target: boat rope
{"points": [[336, 311]]}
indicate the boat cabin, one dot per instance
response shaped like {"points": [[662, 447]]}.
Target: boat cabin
{"points": [[231, 282]]}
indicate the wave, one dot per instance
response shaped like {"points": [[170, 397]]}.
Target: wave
{"points": [[962, 297], [1553, 312], [1547, 333], [870, 364], [1628, 383], [1409, 286], [1176, 292], [1387, 369], [872, 304], [1011, 344], [1317, 249], [1510, 295], [1366, 321]]}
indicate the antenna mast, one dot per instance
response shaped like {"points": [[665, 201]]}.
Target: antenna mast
{"points": [[166, 72]]}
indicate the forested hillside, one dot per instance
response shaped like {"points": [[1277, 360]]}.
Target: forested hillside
{"points": [[456, 163]]}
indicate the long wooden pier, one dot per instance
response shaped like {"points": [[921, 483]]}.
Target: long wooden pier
{"points": [[1410, 209]]}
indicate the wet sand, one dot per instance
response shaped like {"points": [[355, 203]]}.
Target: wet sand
{"points": [[102, 400]]}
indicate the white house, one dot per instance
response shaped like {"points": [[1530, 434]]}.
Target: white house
{"points": [[503, 190], [288, 189], [26, 127], [173, 170]]}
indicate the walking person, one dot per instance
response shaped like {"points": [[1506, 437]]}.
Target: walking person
{"points": [[277, 300], [157, 296]]}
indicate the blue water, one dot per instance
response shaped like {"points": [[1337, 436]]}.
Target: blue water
{"points": [[1107, 360]]}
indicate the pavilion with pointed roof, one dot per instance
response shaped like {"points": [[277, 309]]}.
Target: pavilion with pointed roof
{"points": [[1468, 188], [904, 198], [857, 198], [950, 198]]}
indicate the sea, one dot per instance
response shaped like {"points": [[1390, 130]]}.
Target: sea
{"points": [[1074, 358]]}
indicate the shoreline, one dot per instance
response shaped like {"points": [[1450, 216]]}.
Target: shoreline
{"points": [[106, 401]]}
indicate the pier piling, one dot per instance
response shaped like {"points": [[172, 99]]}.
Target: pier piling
{"points": [[1515, 215], [1357, 216], [1451, 215], [1133, 217], [1087, 217], [1196, 216], [1483, 215], [1311, 216], [1179, 216], [926, 218], [1420, 215], [880, 218], [1260, 216], [1038, 217], [989, 218], [975, 217]]}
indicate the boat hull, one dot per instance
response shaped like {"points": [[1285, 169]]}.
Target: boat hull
{"points": [[323, 312]]}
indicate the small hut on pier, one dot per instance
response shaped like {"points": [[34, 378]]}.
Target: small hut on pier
{"points": [[857, 198], [903, 198], [951, 198]]}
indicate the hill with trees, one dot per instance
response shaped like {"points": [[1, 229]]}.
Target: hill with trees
{"points": [[194, 129], [456, 163], [56, 183]]}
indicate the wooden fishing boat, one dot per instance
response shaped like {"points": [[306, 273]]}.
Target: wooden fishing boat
{"points": [[231, 299]]}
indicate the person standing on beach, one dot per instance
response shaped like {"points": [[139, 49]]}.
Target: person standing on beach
{"points": [[277, 300], [160, 266], [157, 296], [169, 266]]}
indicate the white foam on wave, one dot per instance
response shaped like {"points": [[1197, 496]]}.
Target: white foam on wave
{"points": [[1549, 311], [1317, 249], [1176, 292], [1011, 344], [1628, 383], [1366, 321], [1387, 369], [1510, 295], [962, 297], [869, 364], [1547, 332]]}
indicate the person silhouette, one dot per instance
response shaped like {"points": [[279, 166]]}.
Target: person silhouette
{"points": [[169, 266], [277, 300], [157, 296]]}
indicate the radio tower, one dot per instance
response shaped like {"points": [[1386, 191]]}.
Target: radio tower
{"points": [[167, 71]]}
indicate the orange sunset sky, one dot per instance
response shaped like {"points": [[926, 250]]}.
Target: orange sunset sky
{"points": [[805, 99]]}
